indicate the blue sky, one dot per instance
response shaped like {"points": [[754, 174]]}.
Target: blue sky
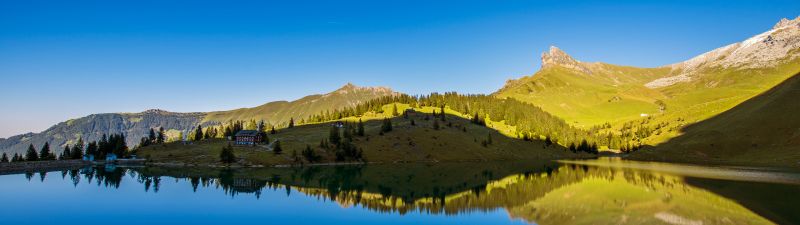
{"points": [[67, 59]]}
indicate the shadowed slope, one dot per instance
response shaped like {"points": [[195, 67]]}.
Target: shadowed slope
{"points": [[764, 130]]}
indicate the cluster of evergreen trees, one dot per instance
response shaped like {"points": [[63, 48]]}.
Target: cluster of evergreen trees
{"points": [[340, 141], [530, 121], [114, 143], [153, 138]]}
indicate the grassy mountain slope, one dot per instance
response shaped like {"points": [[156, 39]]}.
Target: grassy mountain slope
{"points": [[457, 139], [763, 130], [661, 100], [603, 93], [280, 112], [136, 125]]}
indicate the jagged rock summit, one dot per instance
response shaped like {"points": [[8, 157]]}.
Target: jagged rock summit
{"points": [[352, 88], [557, 57]]}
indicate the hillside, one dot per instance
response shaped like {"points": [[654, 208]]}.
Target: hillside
{"points": [[92, 127], [764, 130], [136, 125], [456, 139], [280, 112], [667, 97]]}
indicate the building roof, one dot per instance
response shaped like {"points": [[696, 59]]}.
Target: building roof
{"points": [[247, 133]]}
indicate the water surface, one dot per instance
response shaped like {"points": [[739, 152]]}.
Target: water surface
{"points": [[604, 191]]}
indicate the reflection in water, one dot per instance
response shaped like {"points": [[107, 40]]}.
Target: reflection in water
{"points": [[542, 193]]}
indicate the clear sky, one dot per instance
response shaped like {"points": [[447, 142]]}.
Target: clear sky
{"points": [[67, 59]]}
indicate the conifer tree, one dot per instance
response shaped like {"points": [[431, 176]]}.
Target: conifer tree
{"points": [[394, 110], [360, 131], [151, 137], [277, 149], [272, 131], [198, 133], [31, 155], [227, 156], [291, 122], [4, 159], [45, 153], [93, 148], [77, 149], [16, 158], [66, 154], [160, 137], [333, 135], [442, 114]]}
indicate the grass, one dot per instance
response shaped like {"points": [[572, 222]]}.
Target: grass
{"points": [[615, 95], [457, 139], [760, 131]]}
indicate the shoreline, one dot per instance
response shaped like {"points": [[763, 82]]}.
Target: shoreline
{"points": [[41, 166]]}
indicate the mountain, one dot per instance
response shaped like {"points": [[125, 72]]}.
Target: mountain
{"points": [[92, 127], [589, 94], [764, 130], [136, 125], [280, 112]]}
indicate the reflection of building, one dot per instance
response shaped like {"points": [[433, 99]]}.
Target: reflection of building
{"points": [[244, 185], [247, 137]]}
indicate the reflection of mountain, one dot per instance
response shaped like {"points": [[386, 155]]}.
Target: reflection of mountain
{"points": [[543, 193]]}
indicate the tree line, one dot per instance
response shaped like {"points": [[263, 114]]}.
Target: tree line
{"points": [[108, 144]]}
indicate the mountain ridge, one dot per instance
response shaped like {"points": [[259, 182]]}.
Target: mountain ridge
{"points": [[136, 124]]}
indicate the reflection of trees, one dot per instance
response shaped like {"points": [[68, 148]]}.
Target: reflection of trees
{"points": [[439, 189]]}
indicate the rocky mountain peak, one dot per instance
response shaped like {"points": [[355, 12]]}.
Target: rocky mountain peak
{"points": [[787, 22], [557, 57], [351, 88]]}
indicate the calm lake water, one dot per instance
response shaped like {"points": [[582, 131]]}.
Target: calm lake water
{"points": [[603, 191]]}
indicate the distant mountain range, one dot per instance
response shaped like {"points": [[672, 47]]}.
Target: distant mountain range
{"points": [[136, 125], [605, 97]]}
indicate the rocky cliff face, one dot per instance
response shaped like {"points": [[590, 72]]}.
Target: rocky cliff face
{"points": [[92, 127]]}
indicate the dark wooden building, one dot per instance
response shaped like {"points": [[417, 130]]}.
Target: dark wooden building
{"points": [[247, 137]]}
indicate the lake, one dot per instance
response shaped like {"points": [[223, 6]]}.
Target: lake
{"points": [[601, 191]]}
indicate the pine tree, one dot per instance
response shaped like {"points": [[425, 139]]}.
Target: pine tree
{"points": [[4, 159], [151, 136], [272, 131], [66, 154], [16, 158], [572, 148], [31, 155], [45, 154], [160, 137], [77, 150], [227, 156], [394, 110], [360, 128], [548, 141], [291, 122], [93, 148], [277, 149], [442, 115], [387, 125], [198, 133], [333, 135]]}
